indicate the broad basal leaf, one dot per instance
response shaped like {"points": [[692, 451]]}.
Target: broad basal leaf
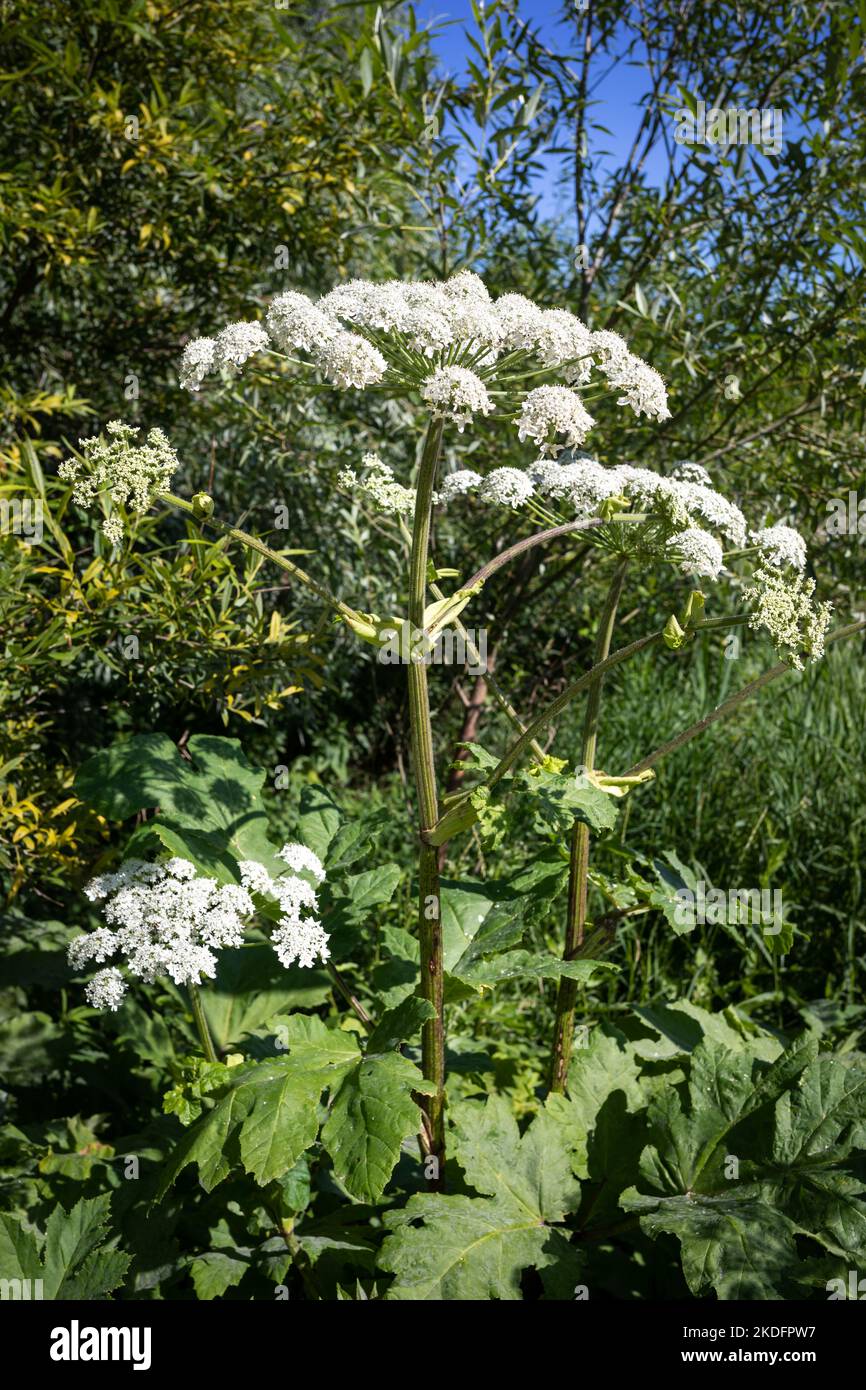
{"points": [[477, 1248]]}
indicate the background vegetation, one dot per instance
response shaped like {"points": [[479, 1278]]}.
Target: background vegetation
{"points": [[168, 168]]}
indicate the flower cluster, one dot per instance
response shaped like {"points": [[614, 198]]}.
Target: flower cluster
{"points": [[786, 608], [129, 473], [456, 394], [165, 920], [296, 936], [686, 516], [450, 341], [379, 485]]}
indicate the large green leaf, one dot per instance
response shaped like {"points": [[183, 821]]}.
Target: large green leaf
{"points": [[372, 1113], [477, 1248], [72, 1259], [268, 1112], [216, 793]]}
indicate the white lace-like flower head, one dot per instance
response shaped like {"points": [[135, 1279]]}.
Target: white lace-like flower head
{"points": [[506, 487], [298, 936], [456, 394], [294, 322], [163, 919], [237, 343], [785, 606], [697, 552], [380, 486], [456, 484], [552, 411], [780, 546], [197, 362], [130, 474], [106, 989], [347, 360]]}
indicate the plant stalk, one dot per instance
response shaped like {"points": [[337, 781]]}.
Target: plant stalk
{"points": [[201, 1024], [578, 872], [421, 734]]}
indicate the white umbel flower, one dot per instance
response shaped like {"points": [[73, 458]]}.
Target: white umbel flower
{"points": [[583, 483], [294, 322], [164, 920], [300, 858], [456, 394], [563, 340], [689, 472], [196, 363], [470, 311], [297, 937], [237, 343], [785, 606], [643, 389], [506, 487], [380, 485], [106, 990], [780, 546], [519, 320], [456, 484], [697, 552], [549, 411], [130, 474], [348, 360], [702, 502]]}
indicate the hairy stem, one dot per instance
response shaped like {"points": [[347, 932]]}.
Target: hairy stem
{"points": [[579, 855], [429, 915]]}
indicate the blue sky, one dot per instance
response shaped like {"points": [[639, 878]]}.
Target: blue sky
{"points": [[618, 96]]}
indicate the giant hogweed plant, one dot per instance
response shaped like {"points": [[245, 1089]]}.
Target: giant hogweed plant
{"points": [[615, 1146]]}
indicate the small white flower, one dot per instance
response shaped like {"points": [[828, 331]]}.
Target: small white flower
{"points": [[563, 340], [780, 546], [165, 921], [196, 363], [299, 940], [348, 360], [455, 484], [550, 411], [294, 322], [689, 472], [237, 343], [583, 483], [507, 487], [785, 606], [456, 394], [380, 485], [470, 311], [106, 990], [697, 552], [130, 474], [298, 857], [642, 387], [519, 320], [702, 502]]}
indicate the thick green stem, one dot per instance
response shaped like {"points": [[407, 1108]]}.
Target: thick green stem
{"points": [[201, 1024], [579, 856], [429, 913]]}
